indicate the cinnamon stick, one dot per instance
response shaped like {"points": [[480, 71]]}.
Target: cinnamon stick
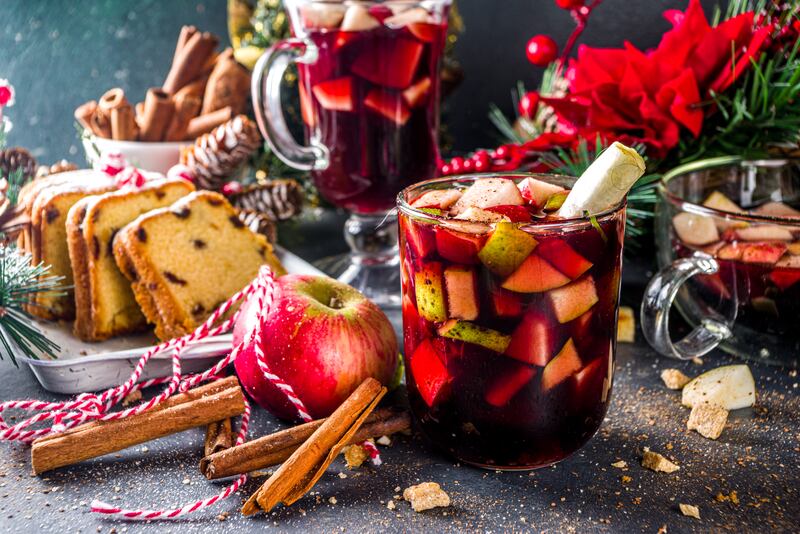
{"points": [[274, 449], [101, 124], [123, 124], [156, 116], [219, 437], [183, 38], [205, 123], [189, 61], [83, 114], [298, 474], [186, 108], [200, 406], [228, 85]]}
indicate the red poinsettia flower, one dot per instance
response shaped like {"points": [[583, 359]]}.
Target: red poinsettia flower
{"points": [[653, 96]]}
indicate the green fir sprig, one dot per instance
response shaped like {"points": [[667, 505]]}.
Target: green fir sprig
{"points": [[20, 282]]}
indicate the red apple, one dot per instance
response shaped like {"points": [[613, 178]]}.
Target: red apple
{"points": [[323, 338]]}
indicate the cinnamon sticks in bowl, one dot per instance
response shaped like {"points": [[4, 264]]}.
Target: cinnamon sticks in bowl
{"points": [[202, 90]]}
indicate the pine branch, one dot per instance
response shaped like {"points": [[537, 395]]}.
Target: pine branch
{"points": [[20, 282]]}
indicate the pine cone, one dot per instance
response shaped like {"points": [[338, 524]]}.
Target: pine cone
{"points": [[215, 156], [277, 199], [55, 168], [12, 159], [259, 223]]}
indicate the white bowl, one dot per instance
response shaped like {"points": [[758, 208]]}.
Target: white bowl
{"points": [[154, 157]]}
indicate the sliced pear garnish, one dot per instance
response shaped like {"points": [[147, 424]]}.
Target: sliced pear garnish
{"points": [[730, 387]]}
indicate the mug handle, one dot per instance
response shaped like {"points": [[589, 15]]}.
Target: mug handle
{"points": [[657, 302], [266, 91]]}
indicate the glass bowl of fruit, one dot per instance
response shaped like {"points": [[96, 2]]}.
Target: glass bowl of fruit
{"points": [[509, 316], [728, 234]]}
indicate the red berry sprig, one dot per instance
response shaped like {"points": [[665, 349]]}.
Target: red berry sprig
{"points": [[529, 104], [541, 50]]}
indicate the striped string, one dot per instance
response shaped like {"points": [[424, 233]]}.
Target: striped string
{"points": [[89, 407]]}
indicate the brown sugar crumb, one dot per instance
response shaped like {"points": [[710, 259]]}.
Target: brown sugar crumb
{"points": [[707, 419], [132, 397], [622, 464], [656, 462], [689, 510], [626, 479], [674, 379], [626, 325], [355, 455], [732, 497], [426, 496], [223, 516]]}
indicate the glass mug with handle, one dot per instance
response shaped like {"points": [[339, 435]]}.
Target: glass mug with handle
{"points": [[369, 98], [728, 235]]}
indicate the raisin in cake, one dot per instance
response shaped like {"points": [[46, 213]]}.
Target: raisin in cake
{"points": [[104, 302], [185, 260], [47, 202]]}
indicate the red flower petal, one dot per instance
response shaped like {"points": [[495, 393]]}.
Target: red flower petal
{"points": [[680, 97], [734, 69]]}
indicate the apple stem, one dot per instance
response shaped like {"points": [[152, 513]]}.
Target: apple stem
{"points": [[335, 303]]}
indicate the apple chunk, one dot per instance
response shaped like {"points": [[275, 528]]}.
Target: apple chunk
{"points": [[777, 209], [695, 229], [534, 276], [506, 249], [462, 293], [764, 232], [440, 199], [563, 257], [505, 386], [768, 253], [416, 95], [537, 192], [718, 201], [392, 65], [534, 340], [573, 300], [459, 247], [475, 334], [387, 105], [430, 374], [487, 192], [429, 288], [336, 94], [566, 363]]}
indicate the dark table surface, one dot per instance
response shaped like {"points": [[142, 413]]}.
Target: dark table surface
{"points": [[757, 456]]}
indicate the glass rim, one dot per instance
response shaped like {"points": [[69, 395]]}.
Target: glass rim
{"points": [[721, 162], [404, 207]]}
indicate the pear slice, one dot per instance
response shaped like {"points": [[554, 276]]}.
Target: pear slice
{"points": [[607, 180], [731, 387], [506, 248], [472, 333]]}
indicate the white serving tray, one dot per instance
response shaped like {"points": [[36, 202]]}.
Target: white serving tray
{"points": [[82, 367]]}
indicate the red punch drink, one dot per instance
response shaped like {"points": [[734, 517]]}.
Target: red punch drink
{"points": [[371, 98], [509, 317]]}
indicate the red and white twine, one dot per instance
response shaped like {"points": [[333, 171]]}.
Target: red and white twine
{"points": [[91, 407]]}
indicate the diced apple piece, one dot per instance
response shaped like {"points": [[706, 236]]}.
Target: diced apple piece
{"points": [[794, 248], [573, 300], [409, 16], [718, 201], [416, 95], [563, 257], [595, 372], [731, 386], [566, 363], [430, 374], [318, 15], [732, 252], [513, 213], [695, 229], [336, 94], [392, 65], [482, 216], [768, 253], [777, 209], [358, 19], [505, 303], [556, 201], [462, 293], [713, 248], [786, 272], [506, 249], [441, 199], [535, 275], [505, 386], [534, 340], [429, 288], [487, 192], [426, 32], [475, 334], [789, 261], [388, 105], [306, 107], [459, 247], [420, 239], [537, 192], [764, 232]]}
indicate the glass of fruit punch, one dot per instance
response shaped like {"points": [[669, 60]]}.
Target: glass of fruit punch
{"points": [[510, 300], [368, 80]]}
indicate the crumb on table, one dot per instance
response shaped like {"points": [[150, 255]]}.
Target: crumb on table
{"points": [[426, 496], [657, 462], [707, 419], [690, 510], [674, 378]]}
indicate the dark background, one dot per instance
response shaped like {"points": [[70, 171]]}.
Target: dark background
{"points": [[59, 54]]}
